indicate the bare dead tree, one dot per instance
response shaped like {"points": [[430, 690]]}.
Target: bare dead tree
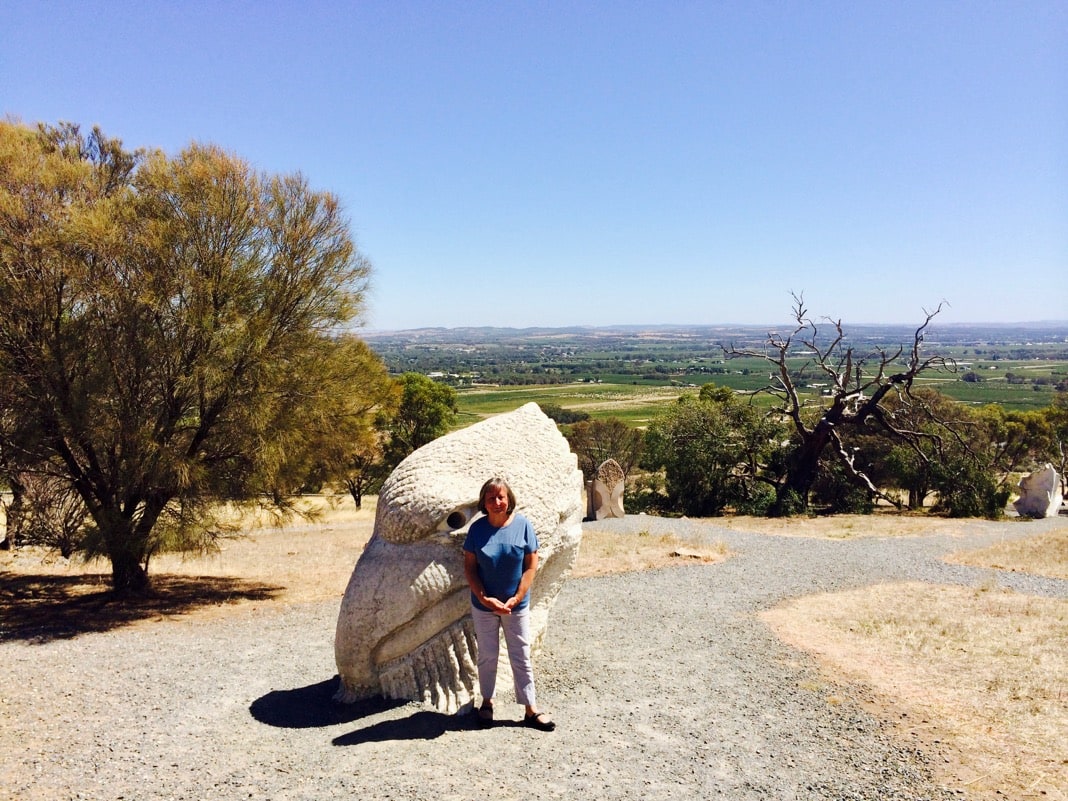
{"points": [[859, 383], [594, 441], [54, 513]]}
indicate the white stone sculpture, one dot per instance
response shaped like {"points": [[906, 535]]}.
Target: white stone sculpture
{"points": [[604, 495], [404, 630], [1040, 493]]}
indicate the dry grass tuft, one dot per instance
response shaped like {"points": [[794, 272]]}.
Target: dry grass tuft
{"points": [[603, 553], [1044, 555], [980, 672]]}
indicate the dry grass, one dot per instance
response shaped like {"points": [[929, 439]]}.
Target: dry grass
{"points": [[883, 523], [979, 672], [603, 553], [311, 561], [43, 596], [1044, 555]]}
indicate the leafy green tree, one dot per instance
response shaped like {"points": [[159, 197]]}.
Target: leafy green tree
{"points": [[972, 480], [364, 468], [836, 490], [961, 455], [168, 330], [711, 449], [352, 453], [341, 440], [967, 488], [934, 428], [426, 411], [1013, 441], [1057, 416]]}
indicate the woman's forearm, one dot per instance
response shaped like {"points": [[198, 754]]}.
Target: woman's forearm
{"points": [[474, 581], [525, 582]]}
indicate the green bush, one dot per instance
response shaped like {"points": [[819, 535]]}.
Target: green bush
{"points": [[645, 493], [965, 489], [840, 494], [787, 504], [757, 502], [562, 416]]}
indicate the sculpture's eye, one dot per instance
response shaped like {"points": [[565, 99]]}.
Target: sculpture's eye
{"points": [[459, 517]]}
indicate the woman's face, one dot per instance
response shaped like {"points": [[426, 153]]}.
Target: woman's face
{"points": [[496, 501]]}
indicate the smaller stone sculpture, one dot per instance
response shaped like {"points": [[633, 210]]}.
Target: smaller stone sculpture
{"points": [[604, 495], [1040, 494]]}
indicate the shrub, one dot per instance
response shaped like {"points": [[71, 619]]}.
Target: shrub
{"points": [[965, 489], [840, 494], [562, 416]]}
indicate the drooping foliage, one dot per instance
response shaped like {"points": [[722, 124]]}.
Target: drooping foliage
{"points": [[169, 331]]}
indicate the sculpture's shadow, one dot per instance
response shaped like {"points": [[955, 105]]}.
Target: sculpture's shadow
{"points": [[314, 707], [423, 725]]}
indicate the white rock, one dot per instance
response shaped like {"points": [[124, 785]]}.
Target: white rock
{"points": [[1040, 493], [404, 630]]}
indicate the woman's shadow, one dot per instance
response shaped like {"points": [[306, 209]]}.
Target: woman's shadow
{"points": [[314, 707]]}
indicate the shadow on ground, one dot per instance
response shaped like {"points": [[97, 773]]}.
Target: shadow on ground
{"points": [[423, 725], [41, 608], [314, 706]]}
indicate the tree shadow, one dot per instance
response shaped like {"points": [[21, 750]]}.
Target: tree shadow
{"points": [[42, 608], [314, 706]]}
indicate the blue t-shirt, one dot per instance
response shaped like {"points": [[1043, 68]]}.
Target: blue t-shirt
{"points": [[500, 553]]}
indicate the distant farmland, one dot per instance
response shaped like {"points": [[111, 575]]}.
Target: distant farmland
{"points": [[630, 372]]}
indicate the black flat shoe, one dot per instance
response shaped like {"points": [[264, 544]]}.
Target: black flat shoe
{"points": [[540, 721], [484, 715]]}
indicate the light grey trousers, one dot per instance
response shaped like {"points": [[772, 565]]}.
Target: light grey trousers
{"points": [[517, 638]]}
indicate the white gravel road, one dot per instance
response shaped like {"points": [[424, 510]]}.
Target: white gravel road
{"points": [[665, 686]]}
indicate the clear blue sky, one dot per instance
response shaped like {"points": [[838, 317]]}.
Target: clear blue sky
{"points": [[595, 163]]}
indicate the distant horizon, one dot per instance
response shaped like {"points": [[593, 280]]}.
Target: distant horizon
{"points": [[935, 323]]}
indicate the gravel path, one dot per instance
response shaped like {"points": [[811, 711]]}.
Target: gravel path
{"points": [[664, 683]]}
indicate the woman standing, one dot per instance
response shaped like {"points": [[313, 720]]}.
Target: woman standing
{"points": [[500, 560]]}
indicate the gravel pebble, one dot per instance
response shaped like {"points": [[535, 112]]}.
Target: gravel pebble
{"points": [[665, 685]]}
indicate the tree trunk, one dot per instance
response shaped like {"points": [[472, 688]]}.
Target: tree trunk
{"points": [[15, 514], [791, 497], [127, 546], [128, 578], [356, 491]]}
